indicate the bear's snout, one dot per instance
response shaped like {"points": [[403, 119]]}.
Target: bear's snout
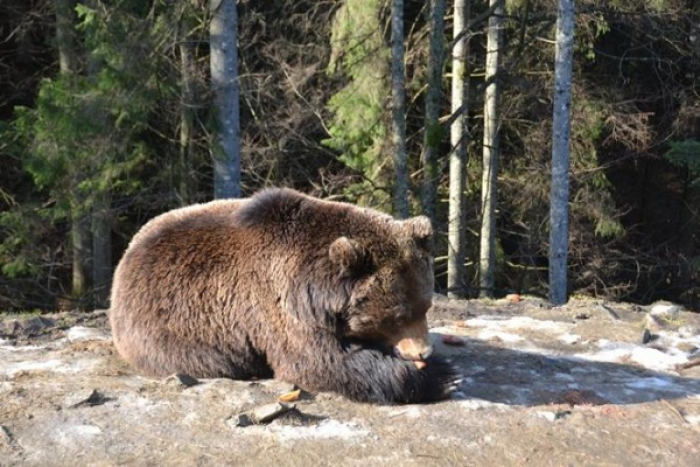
{"points": [[413, 343]]}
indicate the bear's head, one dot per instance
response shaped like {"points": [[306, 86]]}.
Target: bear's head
{"points": [[392, 286]]}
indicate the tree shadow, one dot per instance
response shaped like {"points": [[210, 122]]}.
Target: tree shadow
{"points": [[520, 377]]}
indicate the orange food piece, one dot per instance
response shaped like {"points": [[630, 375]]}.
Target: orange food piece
{"points": [[420, 364], [513, 297], [290, 396]]}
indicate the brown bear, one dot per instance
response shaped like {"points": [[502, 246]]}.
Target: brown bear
{"points": [[325, 295]]}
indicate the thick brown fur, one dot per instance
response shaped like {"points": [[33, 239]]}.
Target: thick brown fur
{"points": [[311, 292]]}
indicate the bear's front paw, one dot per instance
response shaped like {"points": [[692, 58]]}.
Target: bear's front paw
{"points": [[440, 379]]}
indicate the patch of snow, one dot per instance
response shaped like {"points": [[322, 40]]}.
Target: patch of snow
{"points": [[683, 336], [693, 419], [569, 338], [327, 429], [651, 383], [22, 348], [665, 310], [488, 334], [66, 435], [15, 368], [86, 430], [411, 412], [606, 344], [623, 352], [519, 322], [564, 377], [655, 359], [82, 333], [56, 365], [481, 404], [549, 416]]}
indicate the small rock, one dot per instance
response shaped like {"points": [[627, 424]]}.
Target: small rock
{"points": [[241, 420], [648, 337], [260, 415], [181, 379], [94, 398], [665, 310], [455, 341]]}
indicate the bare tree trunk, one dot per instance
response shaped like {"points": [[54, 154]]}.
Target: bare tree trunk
{"points": [[100, 206], [559, 201], [65, 36], [102, 247], [187, 113], [80, 245], [459, 138], [223, 36], [433, 130], [487, 252], [79, 220], [398, 110]]}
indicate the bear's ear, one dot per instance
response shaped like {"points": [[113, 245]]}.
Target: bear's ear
{"points": [[420, 230], [346, 253]]}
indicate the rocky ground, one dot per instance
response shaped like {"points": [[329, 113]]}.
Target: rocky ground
{"points": [[591, 383]]}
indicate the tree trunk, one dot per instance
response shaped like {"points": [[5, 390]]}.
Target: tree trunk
{"points": [[398, 110], [79, 220], [65, 36], [102, 248], [433, 130], [80, 246], [223, 36], [459, 138], [559, 207], [487, 251], [187, 114]]}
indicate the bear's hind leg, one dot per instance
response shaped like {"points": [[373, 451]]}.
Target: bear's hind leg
{"points": [[162, 354]]}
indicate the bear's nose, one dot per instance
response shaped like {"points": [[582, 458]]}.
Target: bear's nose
{"points": [[412, 350], [413, 342]]}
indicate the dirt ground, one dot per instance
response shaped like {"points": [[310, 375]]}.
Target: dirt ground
{"points": [[591, 383]]}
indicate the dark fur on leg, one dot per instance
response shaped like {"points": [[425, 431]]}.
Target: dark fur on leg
{"points": [[368, 373], [387, 379]]}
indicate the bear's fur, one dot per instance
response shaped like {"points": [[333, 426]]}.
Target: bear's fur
{"points": [[316, 293]]}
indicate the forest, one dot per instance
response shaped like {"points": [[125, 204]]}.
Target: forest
{"points": [[108, 117]]}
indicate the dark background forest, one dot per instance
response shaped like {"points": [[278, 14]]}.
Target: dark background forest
{"points": [[126, 135]]}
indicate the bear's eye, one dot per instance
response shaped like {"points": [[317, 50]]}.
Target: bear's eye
{"points": [[359, 301]]}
